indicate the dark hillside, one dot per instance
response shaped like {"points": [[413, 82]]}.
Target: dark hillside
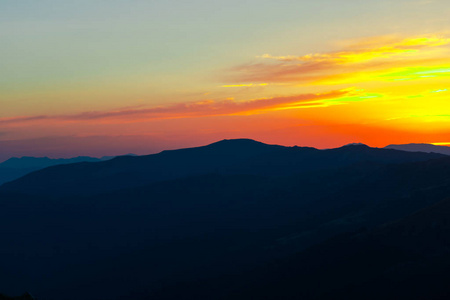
{"points": [[225, 157], [219, 220]]}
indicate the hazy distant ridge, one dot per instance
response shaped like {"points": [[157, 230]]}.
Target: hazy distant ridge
{"points": [[429, 148], [16, 167]]}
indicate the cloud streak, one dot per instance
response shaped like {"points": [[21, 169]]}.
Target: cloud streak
{"points": [[360, 52], [192, 109], [370, 55]]}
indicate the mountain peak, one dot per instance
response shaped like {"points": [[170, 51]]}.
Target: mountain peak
{"points": [[242, 141], [356, 145], [241, 146]]}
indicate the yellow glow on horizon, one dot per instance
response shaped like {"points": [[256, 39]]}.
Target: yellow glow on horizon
{"points": [[387, 85], [441, 144], [415, 73]]}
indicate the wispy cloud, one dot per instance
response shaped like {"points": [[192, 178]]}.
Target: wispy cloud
{"points": [[194, 109], [377, 54], [367, 50]]}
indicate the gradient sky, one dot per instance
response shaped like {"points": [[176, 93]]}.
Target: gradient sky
{"points": [[111, 77]]}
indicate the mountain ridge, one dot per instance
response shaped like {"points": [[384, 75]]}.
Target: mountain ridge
{"points": [[420, 147], [242, 156], [16, 167], [250, 208]]}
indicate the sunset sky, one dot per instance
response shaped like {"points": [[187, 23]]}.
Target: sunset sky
{"points": [[109, 77]]}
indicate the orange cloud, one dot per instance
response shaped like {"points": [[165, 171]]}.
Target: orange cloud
{"points": [[373, 55], [192, 109]]}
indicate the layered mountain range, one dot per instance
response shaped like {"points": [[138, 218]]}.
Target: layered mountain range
{"points": [[17, 167], [237, 219], [429, 148]]}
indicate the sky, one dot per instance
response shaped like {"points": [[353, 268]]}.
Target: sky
{"points": [[112, 77]]}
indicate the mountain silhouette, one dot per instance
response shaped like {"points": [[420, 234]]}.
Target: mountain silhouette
{"points": [[241, 156], [186, 222], [429, 148], [15, 167]]}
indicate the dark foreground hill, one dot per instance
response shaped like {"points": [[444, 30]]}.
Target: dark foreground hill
{"points": [[225, 157], [23, 297], [406, 259], [201, 235]]}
